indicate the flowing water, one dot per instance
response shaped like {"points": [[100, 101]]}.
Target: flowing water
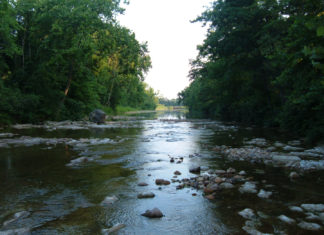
{"points": [[36, 176]]}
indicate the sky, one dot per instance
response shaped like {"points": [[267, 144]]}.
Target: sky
{"points": [[172, 39]]}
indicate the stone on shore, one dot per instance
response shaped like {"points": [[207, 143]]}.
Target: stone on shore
{"points": [[154, 213]]}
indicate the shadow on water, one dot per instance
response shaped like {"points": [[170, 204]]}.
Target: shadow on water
{"points": [[63, 199]]}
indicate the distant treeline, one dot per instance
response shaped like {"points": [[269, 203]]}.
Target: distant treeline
{"points": [[262, 62], [168, 102], [59, 59]]}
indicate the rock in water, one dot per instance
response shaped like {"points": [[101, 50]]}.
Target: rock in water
{"points": [[248, 187], [313, 207], [17, 216], [309, 226], [98, 116], [286, 219], [247, 213], [109, 200], [113, 229], [154, 213], [194, 169], [18, 231], [264, 194], [146, 195], [162, 182]]}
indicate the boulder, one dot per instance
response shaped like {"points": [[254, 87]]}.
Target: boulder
{"points": [[154, 213], [98, 116], [194, 169]]}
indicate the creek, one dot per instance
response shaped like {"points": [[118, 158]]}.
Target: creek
{"points": [[54, 178]]}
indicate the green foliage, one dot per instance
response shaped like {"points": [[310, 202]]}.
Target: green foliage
{"points": [[168, 102], [60, 59], [261, 63]]}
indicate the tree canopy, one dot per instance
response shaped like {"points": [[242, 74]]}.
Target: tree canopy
{"points": [[59, 59], [262, 62]]}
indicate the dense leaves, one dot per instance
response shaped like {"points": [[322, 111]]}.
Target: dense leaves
{"points": [[60, 59], [262, 62]]}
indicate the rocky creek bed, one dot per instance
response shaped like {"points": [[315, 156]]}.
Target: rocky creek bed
{"points": [[161, 176]]}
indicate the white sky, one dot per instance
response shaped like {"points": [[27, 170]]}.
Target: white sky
{"points": [[172, 39]]}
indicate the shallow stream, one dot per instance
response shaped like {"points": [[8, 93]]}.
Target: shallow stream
{"points": [[60, 196]]}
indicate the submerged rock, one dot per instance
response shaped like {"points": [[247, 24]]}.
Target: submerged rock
{"points": [[146, 195], [109, 200], [309, 226], [313, 207], [248, 187], [142, 184], [247, 213], [242, 173], [286, 219], [112, 229], [285, 160], [293, 175], [16, 216], [264, 194], [154, 213], [18, 231]]}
